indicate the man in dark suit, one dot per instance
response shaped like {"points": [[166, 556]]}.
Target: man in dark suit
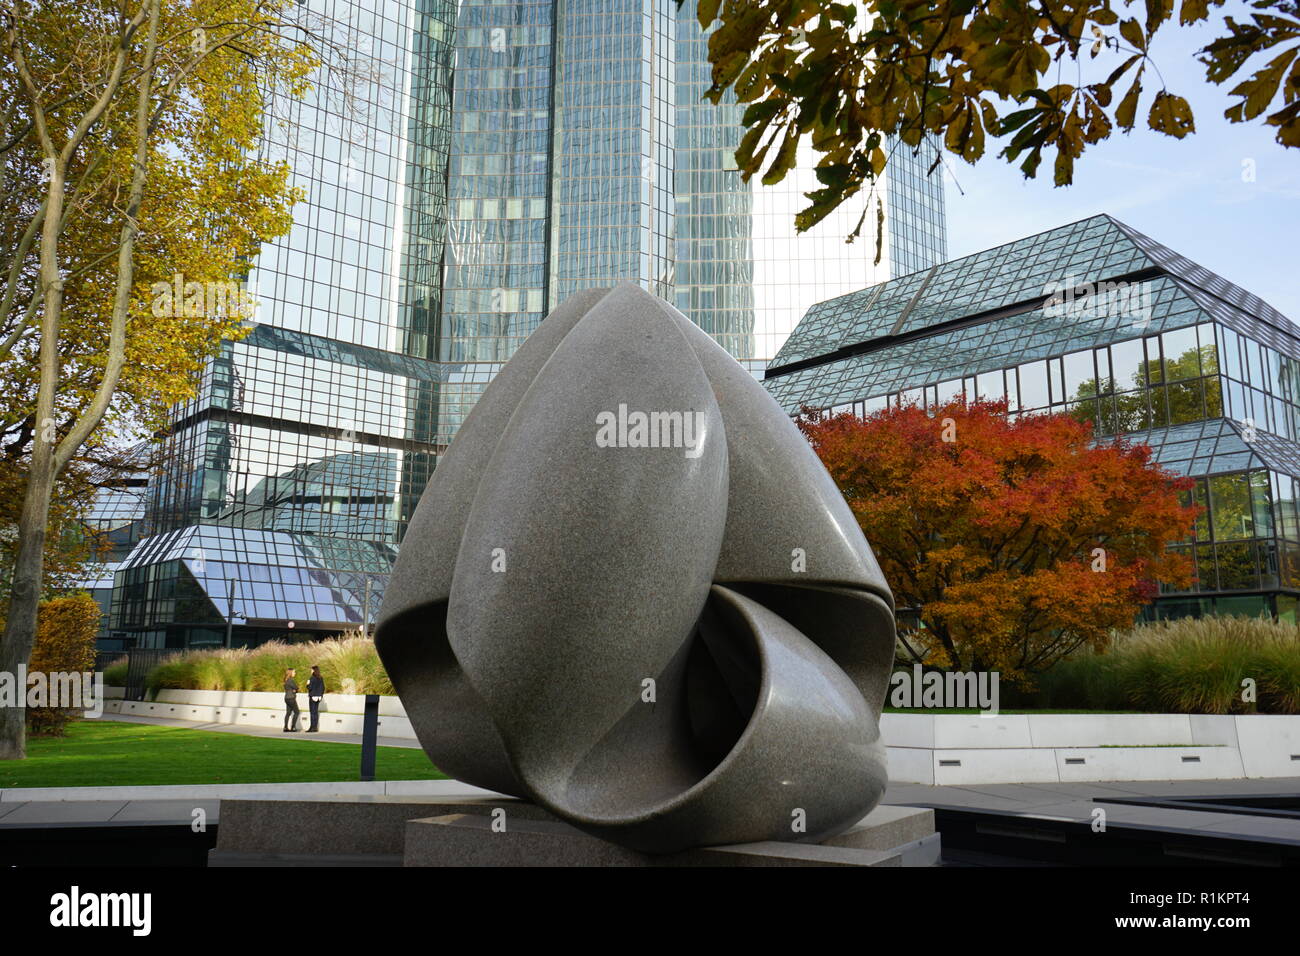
{"points": [[315, 694]]}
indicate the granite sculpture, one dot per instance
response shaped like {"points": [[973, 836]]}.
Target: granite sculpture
{"points": [[632, 595]]}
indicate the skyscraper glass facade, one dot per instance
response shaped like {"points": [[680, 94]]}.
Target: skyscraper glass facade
{"points": [[917, 237], [287, 479], [1099, 321], [743, 274], [499, 157]]}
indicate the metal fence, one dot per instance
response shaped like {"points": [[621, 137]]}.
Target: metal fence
{"points": [[139, 662]]}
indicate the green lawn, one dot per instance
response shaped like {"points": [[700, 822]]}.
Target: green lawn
{"points": [[106, 753]]}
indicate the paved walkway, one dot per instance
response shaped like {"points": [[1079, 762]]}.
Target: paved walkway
{"points": [[260, 731]]}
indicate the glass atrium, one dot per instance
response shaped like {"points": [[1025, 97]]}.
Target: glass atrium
{"points": [[1097, 320]]}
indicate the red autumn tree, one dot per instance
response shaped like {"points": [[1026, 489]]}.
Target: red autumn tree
{"points": [[1017, 541]]}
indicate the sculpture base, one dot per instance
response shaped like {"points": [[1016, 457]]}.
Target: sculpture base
{"points": [[478, 830]]}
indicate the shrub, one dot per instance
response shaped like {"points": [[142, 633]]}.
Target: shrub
{"points": [[115, 673], [65, 643]]}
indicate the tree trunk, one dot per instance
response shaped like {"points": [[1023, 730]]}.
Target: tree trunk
{"points": [[24, 601], [29, 566]]}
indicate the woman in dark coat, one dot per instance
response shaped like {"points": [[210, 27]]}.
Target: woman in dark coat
{"points": [[315, 694]]}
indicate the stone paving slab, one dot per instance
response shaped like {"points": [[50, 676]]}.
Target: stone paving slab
{"points": [[167, 811], [33, 814]]}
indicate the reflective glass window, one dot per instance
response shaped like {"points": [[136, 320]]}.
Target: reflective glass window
{"points": [[1202, 501], [1231, 356], [1213, 397], [1057, 379], [1126, 361], [1261, 512], [1185, 402], [1209, 349], [1182, 358], [1104, 379], [1080, 377], [989, 385], [1237, 570], [1230, 507], [1033, 385]]}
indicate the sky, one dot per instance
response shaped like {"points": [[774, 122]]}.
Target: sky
{"points": [[1188, 194]]}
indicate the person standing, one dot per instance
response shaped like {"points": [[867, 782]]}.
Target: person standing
{"points": [[315, 694], [291, 711]]}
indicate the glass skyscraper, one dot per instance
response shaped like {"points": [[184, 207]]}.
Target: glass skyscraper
{"points": [[506, 155], [1097, 320], [286, 480], [743, 274]]}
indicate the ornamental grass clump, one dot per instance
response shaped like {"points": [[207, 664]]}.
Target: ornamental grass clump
{"points": [[1210, 665], [348, 664]]}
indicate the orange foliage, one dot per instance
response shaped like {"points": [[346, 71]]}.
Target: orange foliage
{"points": [[1018, 541], [65, 643]]}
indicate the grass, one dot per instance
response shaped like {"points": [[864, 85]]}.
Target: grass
{"points": [[106, 753]]}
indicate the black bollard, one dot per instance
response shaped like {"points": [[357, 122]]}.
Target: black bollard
{"points": [[369, 736]]}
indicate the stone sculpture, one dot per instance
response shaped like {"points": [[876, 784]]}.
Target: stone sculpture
{"points": [[632, 594]]}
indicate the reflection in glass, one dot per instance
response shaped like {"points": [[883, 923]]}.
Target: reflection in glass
{"points": [[1209, 349], [949, 391], [1154, 365], [1230, 507], [1250, 354], [1078, 373], [1159, 408], [1213, 397], [1057, 379], [1237, 570], [1127, 359], [1207, 580], [1033, 385], [1185, 402], [1182, 358], [1104, 380], [1261, 512], [989, 385], [1203, 517]]}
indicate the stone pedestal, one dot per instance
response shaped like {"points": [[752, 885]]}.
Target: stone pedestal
{"points": [[478, 830]]}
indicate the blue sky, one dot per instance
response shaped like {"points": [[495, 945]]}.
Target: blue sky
{"points": [[1188, 194]]}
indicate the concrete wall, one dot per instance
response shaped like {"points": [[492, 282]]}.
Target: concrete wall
{"points": [[957, 749], [251, 715]]}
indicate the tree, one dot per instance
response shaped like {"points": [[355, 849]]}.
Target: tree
{"points": [[1016, 542], [69, 546], [129, 134], [853, 75]]}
